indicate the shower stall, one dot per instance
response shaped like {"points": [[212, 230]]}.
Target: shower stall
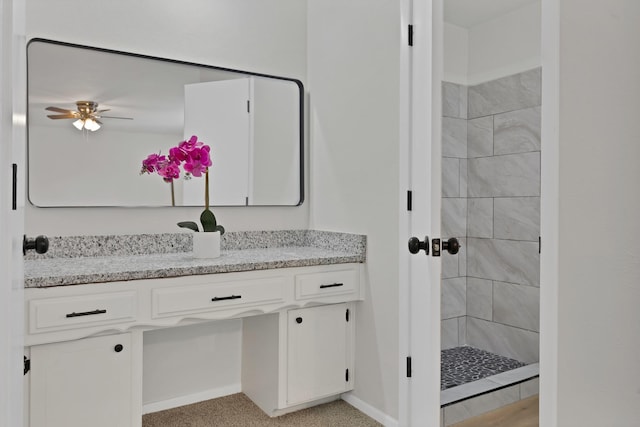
{"points": [[491, 203]]}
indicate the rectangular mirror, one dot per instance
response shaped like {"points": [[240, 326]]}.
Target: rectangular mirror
{"points": [[141, 105]]}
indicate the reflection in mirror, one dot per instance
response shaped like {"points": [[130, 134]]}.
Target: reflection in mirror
{"points": [[95, 114]]}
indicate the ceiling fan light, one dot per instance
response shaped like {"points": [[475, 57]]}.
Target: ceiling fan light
{"points": [[79, 124], [92, 125]]}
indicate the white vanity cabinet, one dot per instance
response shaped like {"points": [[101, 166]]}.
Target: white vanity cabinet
{"points": [[88, 382], [312, 359], [86, 341]]}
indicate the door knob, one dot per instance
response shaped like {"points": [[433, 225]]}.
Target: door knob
{"points": [[452, 246], [40, 244], [415, 245]]}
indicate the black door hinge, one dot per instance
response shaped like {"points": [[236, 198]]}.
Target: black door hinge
{"points": [[410, 30], [539, 244], [14, 188], [408, 366], [248, 106], [346, 375], [347, 315], [409, 200], [27, 365]]}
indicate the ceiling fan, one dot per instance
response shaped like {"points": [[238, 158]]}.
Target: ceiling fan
{"points": [[86, 116]]}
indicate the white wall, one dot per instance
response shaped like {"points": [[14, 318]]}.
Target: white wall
{"points": [[456, 54], [593, 149], [200, 359], [91, 178], [254, 35], [354, 85], [505, 45]]}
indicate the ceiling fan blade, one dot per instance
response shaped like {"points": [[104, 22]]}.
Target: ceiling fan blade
{"points": [[59, 110], [98, 121], [102, 111], [62, 116], [114, 117]]}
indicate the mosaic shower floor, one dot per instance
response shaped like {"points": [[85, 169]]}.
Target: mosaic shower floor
{"points": [[461, 365]]}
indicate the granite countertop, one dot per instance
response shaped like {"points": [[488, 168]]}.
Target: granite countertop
{"points": [[97, 259]]}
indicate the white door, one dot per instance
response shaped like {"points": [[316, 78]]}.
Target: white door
{"points": [[217, 113], [420, 298], [12, 142], [318, 352]]}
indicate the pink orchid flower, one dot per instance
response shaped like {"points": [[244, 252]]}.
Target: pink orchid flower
{"points": [[190, 144], [169, 172], [198, 161], [152, 163], [177, 155]]}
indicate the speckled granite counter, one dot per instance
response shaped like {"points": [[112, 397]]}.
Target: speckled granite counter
{"points": [[96, 259]]}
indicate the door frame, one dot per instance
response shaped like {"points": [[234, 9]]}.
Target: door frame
{"points": [[428, 14], [12, 151], [549, 212], [420, 162]]}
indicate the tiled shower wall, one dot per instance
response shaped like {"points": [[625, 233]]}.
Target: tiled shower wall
{"points": [[491, 201]]}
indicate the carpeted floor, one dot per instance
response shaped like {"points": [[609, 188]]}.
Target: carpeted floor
{"points": [[238, 411]]}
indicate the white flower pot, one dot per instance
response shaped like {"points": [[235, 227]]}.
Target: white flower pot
{"points": [[206, 244]]}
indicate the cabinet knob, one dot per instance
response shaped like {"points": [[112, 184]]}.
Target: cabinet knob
{"points": [[118, 348], [298, 320], [40, 244]]}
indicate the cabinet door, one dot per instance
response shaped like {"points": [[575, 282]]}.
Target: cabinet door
{"points": [[318, 352], [82, 383]]}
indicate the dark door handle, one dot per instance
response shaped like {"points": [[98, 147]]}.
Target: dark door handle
{"points": [[415, 245], [452, 246], [40, 244]]}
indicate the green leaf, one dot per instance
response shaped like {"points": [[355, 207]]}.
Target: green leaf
{"points": [[189, 224], [220, 229], [208, 220]]}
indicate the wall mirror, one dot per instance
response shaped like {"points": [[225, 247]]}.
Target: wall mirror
{"points": [[252, 122]]}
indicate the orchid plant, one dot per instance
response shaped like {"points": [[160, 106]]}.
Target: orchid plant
{"points": [[194, 157]]}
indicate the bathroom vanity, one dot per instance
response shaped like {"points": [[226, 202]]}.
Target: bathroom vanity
{"points": [[86, 318]]}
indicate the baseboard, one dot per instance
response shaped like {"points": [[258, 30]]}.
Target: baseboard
{"points": [[369, 410], [148, 408]]}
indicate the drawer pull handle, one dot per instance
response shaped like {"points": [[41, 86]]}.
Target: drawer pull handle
{"points": [[333, 285], [86, 313], [226, 298]]}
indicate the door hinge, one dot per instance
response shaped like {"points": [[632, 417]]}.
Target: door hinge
{"points": [[248, 106], [539, 244], [347, 315], [27, 365], [14, 188], [409, 200], [410, 35], [346, 375], [408, 366]]}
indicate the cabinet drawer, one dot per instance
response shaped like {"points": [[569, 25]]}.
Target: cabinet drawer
{"points": [[217, 296], [328, 283], [81, 311]]}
